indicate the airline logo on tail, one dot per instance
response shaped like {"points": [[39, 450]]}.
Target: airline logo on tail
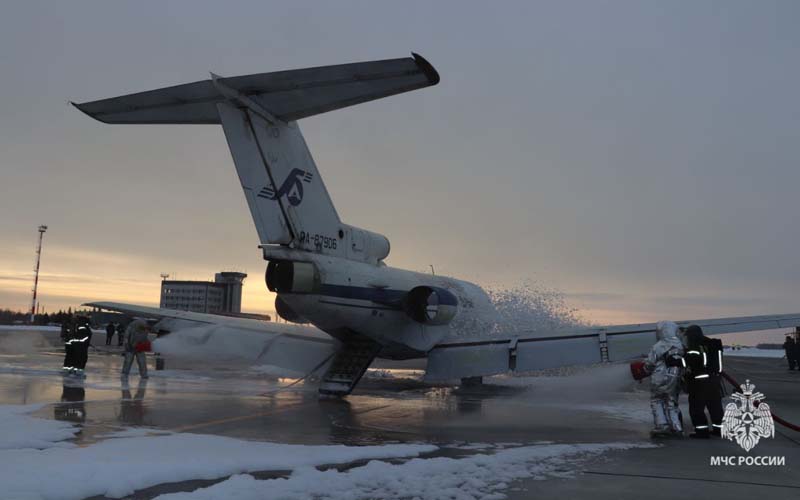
{"points": [[292, 187]]}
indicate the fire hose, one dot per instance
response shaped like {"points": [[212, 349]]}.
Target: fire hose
{"points": [[776, 418]]}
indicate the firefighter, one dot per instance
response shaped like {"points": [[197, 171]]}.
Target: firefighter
{"points": [[665, 366], [81, 341], [136, 346], [703, 360], [66, 337], [790, 347]]}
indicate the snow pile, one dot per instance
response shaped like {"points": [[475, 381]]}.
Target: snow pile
{"points": [[18, 430], [477, 476], [135, 462]]}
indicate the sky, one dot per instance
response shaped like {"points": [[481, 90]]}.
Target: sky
{"points": [[638, 156]]}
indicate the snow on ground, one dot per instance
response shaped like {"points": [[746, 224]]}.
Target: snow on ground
{"points": [[482, 476], [137, 458], [31, 445], [134, 463], [18, 430], [753, 352]]}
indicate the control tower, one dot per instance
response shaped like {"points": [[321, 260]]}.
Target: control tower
{"points": [[232, 290], [221, 296]]}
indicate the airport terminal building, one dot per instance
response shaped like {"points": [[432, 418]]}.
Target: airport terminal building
{"points": [[223, 295]]}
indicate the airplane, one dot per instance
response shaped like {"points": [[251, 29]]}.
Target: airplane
{"points": [[333, 275]]}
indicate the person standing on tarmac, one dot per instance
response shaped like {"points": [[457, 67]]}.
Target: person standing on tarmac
{"points": [[109, 332], [796, 352], [136, 345], [120, 334], [69, 352], [664, 364], [81, 341], [790, 347], [703, 360]]}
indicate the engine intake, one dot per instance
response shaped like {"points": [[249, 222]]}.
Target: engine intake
{"points": [[431, 305], [286, 312], [285, 276]]}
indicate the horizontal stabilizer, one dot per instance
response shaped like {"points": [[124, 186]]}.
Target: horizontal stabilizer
{"points": [[285, 95]]}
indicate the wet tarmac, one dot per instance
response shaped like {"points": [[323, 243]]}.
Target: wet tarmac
{"points": [[682, 468], [392, 405]]}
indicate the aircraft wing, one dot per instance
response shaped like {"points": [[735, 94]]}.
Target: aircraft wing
{"points": [[522, 352], [297, 349]]}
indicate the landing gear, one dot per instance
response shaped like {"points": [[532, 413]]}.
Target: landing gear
{"points": [[471, 381]]}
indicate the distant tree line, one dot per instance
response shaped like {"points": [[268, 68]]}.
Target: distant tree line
{"points": [[9, 317]]}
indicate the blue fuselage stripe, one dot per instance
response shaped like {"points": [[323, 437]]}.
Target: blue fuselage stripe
{"points": [[380, 295]]}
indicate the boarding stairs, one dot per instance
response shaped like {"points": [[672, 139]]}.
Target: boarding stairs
{"points": [[348, 366]]}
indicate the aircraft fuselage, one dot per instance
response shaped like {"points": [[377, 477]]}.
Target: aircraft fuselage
{"points": [[407, 312]]}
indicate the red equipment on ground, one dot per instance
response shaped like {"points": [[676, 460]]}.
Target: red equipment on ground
{"points": [[638, 371], [143, 346]]}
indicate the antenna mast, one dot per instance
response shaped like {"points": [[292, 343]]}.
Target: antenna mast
{"points": [[42, 229]]}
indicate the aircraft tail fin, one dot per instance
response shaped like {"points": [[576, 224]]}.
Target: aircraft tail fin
{"points": [[287, 198]]}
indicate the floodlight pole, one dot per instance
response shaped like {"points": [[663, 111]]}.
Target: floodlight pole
{"points": [[42, 229]]}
